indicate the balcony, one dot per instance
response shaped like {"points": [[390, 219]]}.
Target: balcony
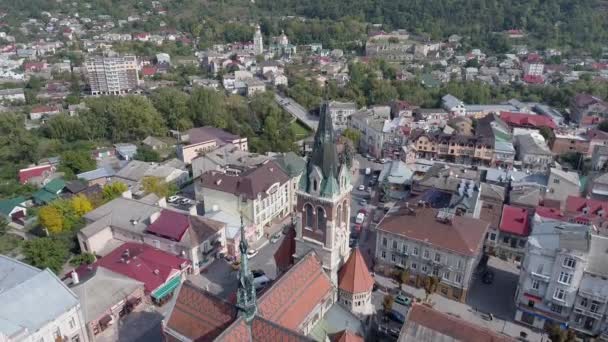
{"points": [[541, 277], [585, 311], [590, 295]]}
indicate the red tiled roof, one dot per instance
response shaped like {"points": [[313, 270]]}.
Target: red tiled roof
{"points": [[170, 224], [261, 330], [421, 316], [199, 315], [148, 71], [534, 79], [550, 213], [515, 221], [36, 171], [346, 336], [149, 265], [527, 120], [354, 275], [295, 294], [43, 109], [463, 235], [575, 206]]}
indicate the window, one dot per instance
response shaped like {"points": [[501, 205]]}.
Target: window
{"points": [[595, 306], [424, 269], [493, 237], [393, 258], [414, 266], [72, 323], [384, 242], [556, 308], [415, 251], [565, 278], [437, 257], [569, 262], [76, 338], [459, 264], [383, 255], [404, 248], [535, 284], [584, 302], [426, 254], [458, 278], [436, 272], [505, 240], [57, 333], [446, 275], [395, 244], [559, 294], [556, 181]]}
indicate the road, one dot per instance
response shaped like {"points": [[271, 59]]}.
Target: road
{"points": [[299, 112]]}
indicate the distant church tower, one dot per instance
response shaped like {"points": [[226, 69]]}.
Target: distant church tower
{"points": [[258, 41], [323, 203]]}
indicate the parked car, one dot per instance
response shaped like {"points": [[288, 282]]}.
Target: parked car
{"points": [[363, 202], [275, 238], [184, 201], [261, 282], [363, 210], [361, 187], [396, 316], [360, 218], [172, 199], [258, 273], [251, 253], [403, 300]]}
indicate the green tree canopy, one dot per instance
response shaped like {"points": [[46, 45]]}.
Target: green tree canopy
{"points": [[46, 252]]}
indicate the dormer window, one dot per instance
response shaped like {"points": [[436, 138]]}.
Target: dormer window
{"points": [[315, 185], [586, 210]]}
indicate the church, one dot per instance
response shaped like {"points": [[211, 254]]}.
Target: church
{"points": [[324, 293]]}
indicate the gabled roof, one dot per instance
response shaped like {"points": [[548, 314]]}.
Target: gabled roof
{"points": [[34, 171], [170, 224], [346, 336], [577, 205], [261, 330], [208, 133], [424, 324], [6, 206], [515, 221], [354, 276], [526, 120], [296, 293]]}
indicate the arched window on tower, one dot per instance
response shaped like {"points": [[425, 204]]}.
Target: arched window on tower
{"points": [[309, 219], [315, 185], [345, 212], [339, 215], [321, 219]]}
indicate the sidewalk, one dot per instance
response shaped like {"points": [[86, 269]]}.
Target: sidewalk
{"points": [[466, 313]]}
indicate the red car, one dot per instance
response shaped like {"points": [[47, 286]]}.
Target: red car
{"points": [[357, 228], [362, 210]]}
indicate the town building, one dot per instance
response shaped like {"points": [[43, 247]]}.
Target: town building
{"points": [[111, 75], [562, 183], [228, 159], [587, 211], [355, 285], [392, 46], [453, 105], [514, 230], [13, 94], [564, 143], [371, 124], [200, 140], [258, 41], [598, 187], [261, 195], [431, 242], [425, 324], [37, 306], [533, 153], [586, 109], [527, 120], [323, 203], [340, 112]]}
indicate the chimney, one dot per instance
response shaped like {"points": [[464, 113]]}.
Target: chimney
{"points": [[156, 271], [75, 279], [154, 217]]}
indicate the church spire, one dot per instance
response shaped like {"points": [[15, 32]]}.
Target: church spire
{"points": [[246, 298]]}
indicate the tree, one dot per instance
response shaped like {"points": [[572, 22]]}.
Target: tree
{"points": [[387, 303], [3, 226], [430, 286], [147, 154], [114, 190], [46, 252], [557, 334], [157, 186], [404, 276], [51, 218], [603, 126], [81, 205], [353, 135], [77, 161], [82, 259], [548, 134]]}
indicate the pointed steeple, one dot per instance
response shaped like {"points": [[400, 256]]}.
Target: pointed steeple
{"points": [[246, 298]]}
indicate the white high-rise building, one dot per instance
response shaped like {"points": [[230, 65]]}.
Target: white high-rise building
{"points": [[258, 41], [112, 75]]}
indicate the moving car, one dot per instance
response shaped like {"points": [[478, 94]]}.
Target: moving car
{"points": [[251, 253], [403, 300]]}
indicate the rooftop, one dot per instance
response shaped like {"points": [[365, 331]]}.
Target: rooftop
{"points": [[515, 221], [354, 276], [204, 134], [417, 221]]}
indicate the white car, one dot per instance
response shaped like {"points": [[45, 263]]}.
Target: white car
{"points": [[251, 253], [172, 199], [361, 187], [185, 201]]}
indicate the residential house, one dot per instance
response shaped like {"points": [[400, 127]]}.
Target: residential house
{"points": [[598, 187], [158, 144], [395, 178], [587, 211], [254, 86], [105, 297], [228, 159], [596, 138], [514, 230], [432, 117], [526, 120], [36, 174], [340, 112], [14, 94], [431, 242], [261, 194], [204, 139], [394, 46], [562, 183], [587, 109], [425, 324], [14, 210], [371, 123], [160, 272], [37, 306], [99, 176], [569, 143], [402, 109], [134, 172], [533, 153], [41, 112], [49, 192], [125, 151], [453, 105]]}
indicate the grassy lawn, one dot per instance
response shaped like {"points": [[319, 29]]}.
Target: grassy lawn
{"points": [[9, 244], [301, 130]]}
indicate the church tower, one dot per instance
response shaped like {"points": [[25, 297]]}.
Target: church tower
{"points": [[258, 41], [323, 203], [245, 294]]}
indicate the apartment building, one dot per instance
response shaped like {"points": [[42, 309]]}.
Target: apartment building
{"points": [[340, 112], [112, 75], [458, 148], [431, 242], [372, 123], [563, 278]]}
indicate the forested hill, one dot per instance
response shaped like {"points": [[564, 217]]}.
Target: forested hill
{"points": [[575, 23]]}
